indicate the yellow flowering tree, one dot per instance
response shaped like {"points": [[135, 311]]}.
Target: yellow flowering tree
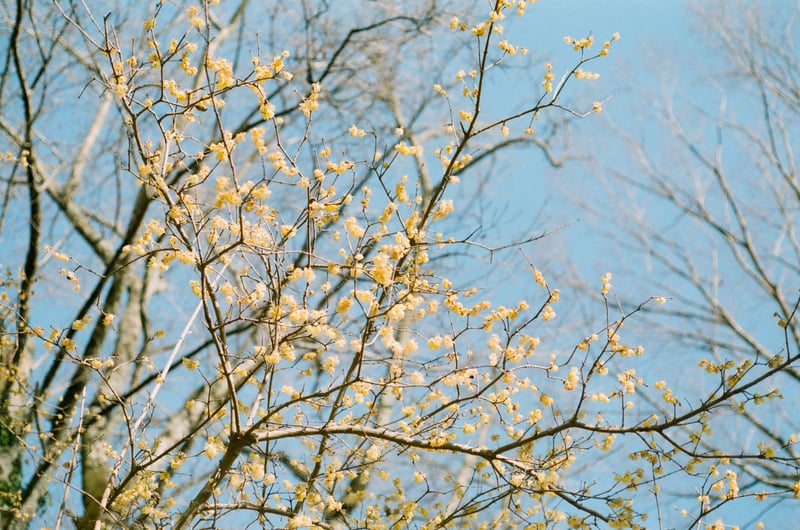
{"points": [[227, 299]]}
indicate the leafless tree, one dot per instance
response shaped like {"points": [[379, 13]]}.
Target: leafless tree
{"points": [[706, 212]]}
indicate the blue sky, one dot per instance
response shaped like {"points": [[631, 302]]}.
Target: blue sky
{"points": [[654, 38]]}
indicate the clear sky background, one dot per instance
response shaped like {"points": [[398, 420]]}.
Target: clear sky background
{"points": [[656, 37], [657, 43]]}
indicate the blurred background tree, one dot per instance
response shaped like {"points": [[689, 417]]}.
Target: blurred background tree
{"points": [[704, 209]]}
